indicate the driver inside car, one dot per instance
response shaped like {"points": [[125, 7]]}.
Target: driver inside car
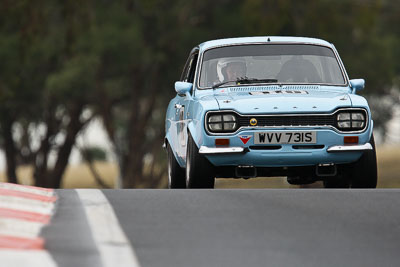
{"points": [[231, 69]]}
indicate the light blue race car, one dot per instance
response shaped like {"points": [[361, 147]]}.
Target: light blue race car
{"points": [[269, 106]]}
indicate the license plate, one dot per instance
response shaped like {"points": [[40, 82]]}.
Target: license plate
{"points": [[263, 138]]}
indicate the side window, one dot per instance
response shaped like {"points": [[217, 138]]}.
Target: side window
{"points": [[190, 68], [186, 69]]}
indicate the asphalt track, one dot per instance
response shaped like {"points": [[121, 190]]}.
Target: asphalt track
{"points": [[273, 227]]}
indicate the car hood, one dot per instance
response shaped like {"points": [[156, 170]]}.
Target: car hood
{"points": [[282, 101]]}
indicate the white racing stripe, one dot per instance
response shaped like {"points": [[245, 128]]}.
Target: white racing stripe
{"points": [[29, 258], [113, 245]]}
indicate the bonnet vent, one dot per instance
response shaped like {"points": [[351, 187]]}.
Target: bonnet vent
{"points": [[274, 88]]}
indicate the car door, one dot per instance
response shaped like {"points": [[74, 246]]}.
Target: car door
{"points": [[183, 103]]}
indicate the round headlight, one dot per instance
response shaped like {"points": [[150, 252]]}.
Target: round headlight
{"points": [[222, 122], [344, 124], [357, 120], [343, 117], [350, 120], [357, 117], [215, 118]]}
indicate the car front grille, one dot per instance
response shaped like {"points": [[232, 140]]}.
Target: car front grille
{"points": [[279, 121], [286, 120]]}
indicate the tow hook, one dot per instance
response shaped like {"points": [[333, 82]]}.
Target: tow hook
{"points": [[328, 169], [246, 171]]}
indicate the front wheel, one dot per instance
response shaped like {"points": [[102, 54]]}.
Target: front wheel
{"points": [[360, 174], [199, 171], [176, 174], [365, 171]]}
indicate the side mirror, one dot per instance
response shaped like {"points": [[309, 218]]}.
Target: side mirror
{"points": [[357, 84], [183, 87]]}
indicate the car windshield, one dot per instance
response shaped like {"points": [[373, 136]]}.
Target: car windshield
{"points": [[275, 63]]}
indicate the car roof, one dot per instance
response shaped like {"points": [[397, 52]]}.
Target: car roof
{"points": [[261, 39]]}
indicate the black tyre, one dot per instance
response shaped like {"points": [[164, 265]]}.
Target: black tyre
{"points": [[199, 171], [365, 171], [176, 174]]}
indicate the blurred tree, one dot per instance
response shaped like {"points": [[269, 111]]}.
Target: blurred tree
{"points": [[142, 46], [21, 78], [44, 82], [89, 156], [93, 153]]}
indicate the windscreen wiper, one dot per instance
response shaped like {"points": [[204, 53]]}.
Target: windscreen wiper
{"points": [[245, 80], [222, 83], [255, 80]]}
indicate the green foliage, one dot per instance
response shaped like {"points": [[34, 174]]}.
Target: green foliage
{"points": [[93, 153], [75, 79]]}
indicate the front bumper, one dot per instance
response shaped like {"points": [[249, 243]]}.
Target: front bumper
{"points": [[232, 150], [350, 148], [221, 150], [329, 149]]}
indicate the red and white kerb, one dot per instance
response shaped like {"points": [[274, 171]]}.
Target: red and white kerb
{"points": [[24, 211]]}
